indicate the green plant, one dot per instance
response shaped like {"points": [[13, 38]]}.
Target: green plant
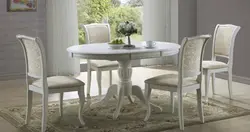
{"points": [[122, 14], [93, 11], [127, 28], [81, 36]]}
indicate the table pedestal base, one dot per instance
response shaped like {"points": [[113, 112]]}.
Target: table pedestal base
{"points": [[124, 88]]}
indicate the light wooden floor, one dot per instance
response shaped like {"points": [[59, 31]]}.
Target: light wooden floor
{"points": [[13, 93]]}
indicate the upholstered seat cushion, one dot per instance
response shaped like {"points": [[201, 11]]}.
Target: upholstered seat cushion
{"points": [[55, 82], [103, 63], [213, 64], [170, 80]]}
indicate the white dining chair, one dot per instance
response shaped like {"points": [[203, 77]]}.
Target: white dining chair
{"points": [[187, 78], [38, 82], [223, 46], [98, 33]]}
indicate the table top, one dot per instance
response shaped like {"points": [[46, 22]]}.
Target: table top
{"points": [[102, 51]]}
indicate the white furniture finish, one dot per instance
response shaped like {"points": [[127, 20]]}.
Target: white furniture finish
{"points": [[124, 57], [98, 33], [188, 78], [223, 46], [37, 80]]}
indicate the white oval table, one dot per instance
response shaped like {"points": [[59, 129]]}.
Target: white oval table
{"points": [[124, 56]]}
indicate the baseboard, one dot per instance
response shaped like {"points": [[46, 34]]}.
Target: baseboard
{"points": [[238, 79], [13, 76]]}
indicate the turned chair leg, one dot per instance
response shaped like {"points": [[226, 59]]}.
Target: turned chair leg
{"points": [[230, 80], [213, 83], [147, 95], [44, 112], [200, 105], [172, 101], [29, 106], [81, 104], [61, 104], [207, 81], [110, 77], [88, 79], [99, 81], [180, 111]]}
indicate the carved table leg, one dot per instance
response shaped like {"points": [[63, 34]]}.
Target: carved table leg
{"points": [[112, 91], [136, 90], [119, 103], [131, 99], [88, 103]]}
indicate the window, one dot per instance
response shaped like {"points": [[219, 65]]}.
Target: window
{"points": [[111, 11]]}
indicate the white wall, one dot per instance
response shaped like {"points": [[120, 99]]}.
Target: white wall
{"points": [[187, 18], [12, 64], [212, 12]]}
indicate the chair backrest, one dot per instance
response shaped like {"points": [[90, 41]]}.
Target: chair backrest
{"points": [[35, 60], [223, 41], [97, 33], [191, 57]]}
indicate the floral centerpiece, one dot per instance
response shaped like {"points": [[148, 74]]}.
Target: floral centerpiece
{"points": [[127, 29]]}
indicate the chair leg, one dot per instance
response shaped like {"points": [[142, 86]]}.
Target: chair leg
{"points": [[199, 104], [110, 81], [44, 112], [180, 111], [61, 104], [89, 79], [207, 81], [213, 82], [81, 102], [119, 103], [230, 80], [147, 95], [110, 77], [99, 81], [172, 101], [29, 106]]}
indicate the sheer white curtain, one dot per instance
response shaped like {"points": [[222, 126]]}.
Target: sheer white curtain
{"points": [[160, 23], [62, 32], [154, 25]]}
